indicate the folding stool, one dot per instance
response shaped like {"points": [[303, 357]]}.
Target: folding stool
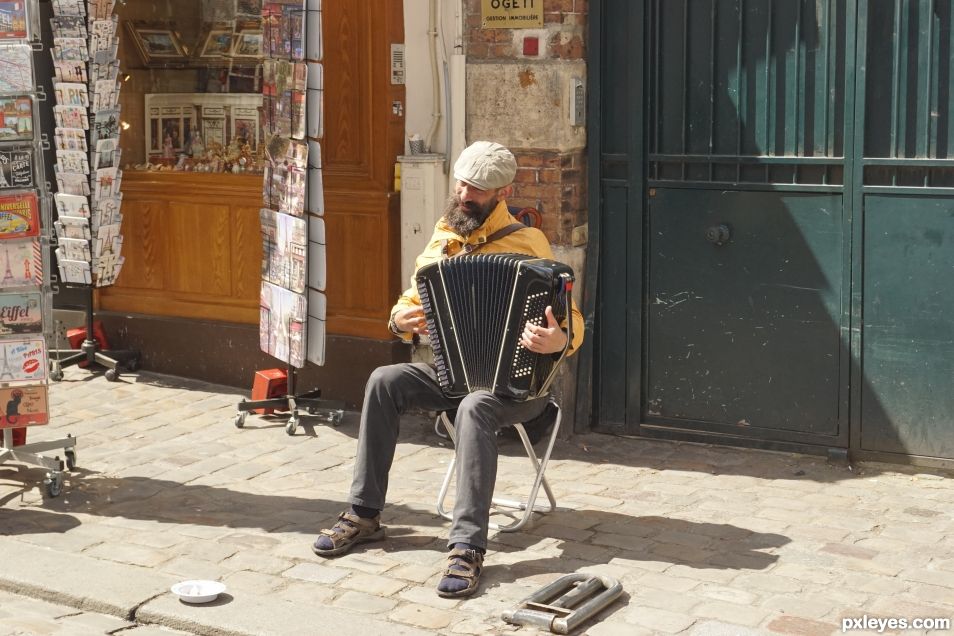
{"points": [[529, 505]]}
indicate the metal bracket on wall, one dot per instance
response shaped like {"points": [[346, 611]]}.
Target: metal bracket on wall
{"points": [[566, 603]]}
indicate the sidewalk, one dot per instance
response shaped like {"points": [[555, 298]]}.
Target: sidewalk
{"points": [[705, 540]]}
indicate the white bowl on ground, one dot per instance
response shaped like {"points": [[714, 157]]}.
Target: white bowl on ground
{"points": [[198, 591]]}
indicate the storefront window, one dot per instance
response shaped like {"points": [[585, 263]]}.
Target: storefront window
{"points": [[191, 99]]}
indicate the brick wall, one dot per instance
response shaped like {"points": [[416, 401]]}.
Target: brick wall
{"points": [[552, 180], [553, 183]]}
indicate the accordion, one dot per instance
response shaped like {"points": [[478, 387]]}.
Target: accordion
{"points": [[477, 307]]}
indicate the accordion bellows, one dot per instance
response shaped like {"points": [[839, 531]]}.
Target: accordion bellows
{"points": [[476, 309]]}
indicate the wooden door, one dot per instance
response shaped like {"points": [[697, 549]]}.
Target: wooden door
{"points": [[364, 134]]}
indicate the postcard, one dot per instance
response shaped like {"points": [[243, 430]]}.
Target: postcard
{"points": [[68, 26], [315, 203], [106, 182], [15, 24], [316, 94], [70, 139], [75, 272], [71, 94], [70, 49], [285, 188], [16, 67], [21, 313], [283, 29], [107, 154], [102, 33], [282, 324], [101, 9], [105, 94], [108, 210], [73, 249], [72, 183], [69, 7], [108, 269], [72, 161], [314, 46], [67, 71], [24, 406], [20, 262], [19, 215], [107, 70], [71, 205], [317, 310], [105, 125], [16, 167], [71, 116], [317, 271], [284, 250], [72, 227], [16, 118]]}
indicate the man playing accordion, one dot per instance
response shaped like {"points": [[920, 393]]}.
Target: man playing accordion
{"points": [[476, 219]]}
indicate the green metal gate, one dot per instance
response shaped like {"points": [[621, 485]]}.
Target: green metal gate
{"points": [[775, 197]]}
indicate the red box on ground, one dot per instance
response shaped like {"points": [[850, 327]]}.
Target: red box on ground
{"points": [[78, 335], [269, 383]]}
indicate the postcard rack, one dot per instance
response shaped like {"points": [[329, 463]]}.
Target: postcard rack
{"points": [[88, 177], [25, 289], [292, 299]]}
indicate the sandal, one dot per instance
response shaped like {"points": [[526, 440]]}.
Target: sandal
{"points": [[349, 530], [462, 565]]}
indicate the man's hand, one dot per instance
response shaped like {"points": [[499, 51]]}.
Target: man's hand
{"points": [[544, 339], [411, 320]]}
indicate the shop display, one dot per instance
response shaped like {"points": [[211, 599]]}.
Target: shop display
{"points": [[292, 301], [24, 235], [86, 140], [199, 132]]}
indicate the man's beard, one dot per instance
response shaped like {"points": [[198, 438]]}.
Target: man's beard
{"points": [[464, 218]]}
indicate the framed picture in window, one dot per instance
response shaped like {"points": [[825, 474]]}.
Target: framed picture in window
{"points": [[215, 44], [248, 44], [157, 44]]}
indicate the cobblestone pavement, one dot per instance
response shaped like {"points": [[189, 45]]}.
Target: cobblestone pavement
{"points": [[705, 540]]}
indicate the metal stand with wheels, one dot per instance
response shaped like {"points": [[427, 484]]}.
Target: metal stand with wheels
{"points": [[32, 454], [115, 361], [310, 402]]}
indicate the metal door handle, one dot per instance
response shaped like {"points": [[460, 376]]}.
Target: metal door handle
{"points": [[719, 234]]}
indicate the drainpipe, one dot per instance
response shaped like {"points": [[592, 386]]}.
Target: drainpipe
{"points": [[458, 92], [435, 77]]}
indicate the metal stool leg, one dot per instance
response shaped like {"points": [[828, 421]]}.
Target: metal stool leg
{"points": [[539, 466]]}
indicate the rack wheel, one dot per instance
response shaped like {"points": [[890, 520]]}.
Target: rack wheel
{"points": [[54, 483], [239, 420], [56, 371], [111, 375], [336, 418], [70, 459], [292, 425]]}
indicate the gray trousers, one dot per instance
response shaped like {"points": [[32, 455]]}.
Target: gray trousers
{"points": [[393, 390]]}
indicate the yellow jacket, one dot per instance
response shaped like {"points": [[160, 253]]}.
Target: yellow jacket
{"points": [[529, 241]]}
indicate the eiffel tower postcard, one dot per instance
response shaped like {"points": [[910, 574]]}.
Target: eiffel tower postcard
{"points": [[20, 262], [23, 360]]}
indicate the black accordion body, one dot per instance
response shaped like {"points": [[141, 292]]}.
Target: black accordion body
{"points": [[476, 309]]}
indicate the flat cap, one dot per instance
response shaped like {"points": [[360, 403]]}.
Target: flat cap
{"points": [[486, 165]]}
